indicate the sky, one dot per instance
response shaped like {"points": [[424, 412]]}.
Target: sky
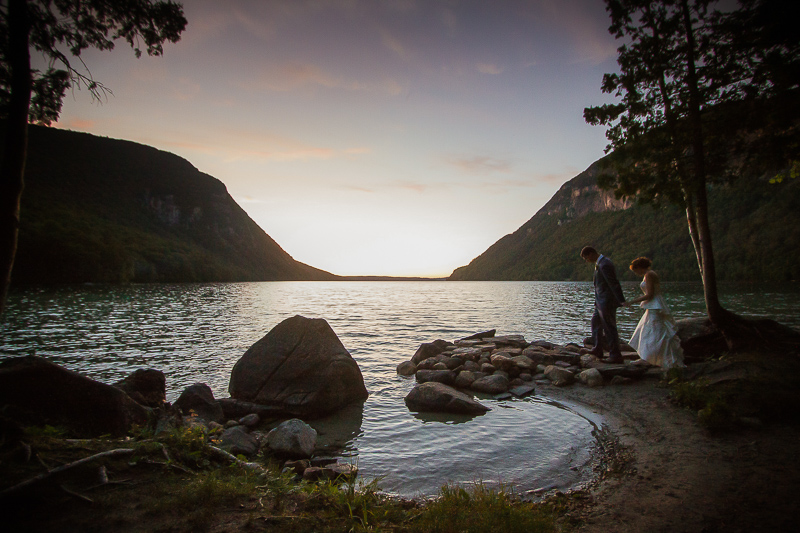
{"points": [[370, 137]]}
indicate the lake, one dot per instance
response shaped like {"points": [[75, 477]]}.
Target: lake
{"points": [[196, 333]]}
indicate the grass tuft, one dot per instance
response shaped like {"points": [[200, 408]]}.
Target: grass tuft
{"points": [[482, 510]]}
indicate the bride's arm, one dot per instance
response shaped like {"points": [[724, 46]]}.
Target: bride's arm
{"points": [[650, 280]]}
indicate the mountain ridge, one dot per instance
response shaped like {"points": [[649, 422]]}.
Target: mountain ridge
{"points": [[755, 225], [105, 210]]}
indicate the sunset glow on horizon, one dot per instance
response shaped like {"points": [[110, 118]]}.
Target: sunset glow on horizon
{"points": [[367, 137]]}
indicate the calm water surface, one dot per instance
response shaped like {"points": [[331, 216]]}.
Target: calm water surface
{"points": [[196, 333]]}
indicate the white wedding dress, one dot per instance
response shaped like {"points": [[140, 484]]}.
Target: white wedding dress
{"points": [[655, 338]]}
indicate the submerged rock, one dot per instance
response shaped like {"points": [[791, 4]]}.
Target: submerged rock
{"points": [[438, 397]]}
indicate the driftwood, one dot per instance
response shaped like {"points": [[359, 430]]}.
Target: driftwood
{"points": [[63, 468], [255, 467]]}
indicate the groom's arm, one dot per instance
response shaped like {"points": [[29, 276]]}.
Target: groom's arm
{"points": [[610, 274]]}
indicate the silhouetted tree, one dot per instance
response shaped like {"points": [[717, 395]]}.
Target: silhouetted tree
{"points": [[60, 30], [686, 72]]}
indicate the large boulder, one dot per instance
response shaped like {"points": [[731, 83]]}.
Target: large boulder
{"points": [[146, 386], [438, 397], [293, 438], [35, 390], [199, 399], [300, 366]]}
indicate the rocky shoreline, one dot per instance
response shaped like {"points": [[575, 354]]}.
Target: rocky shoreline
{"points": [[506, 366], [300, 371]]}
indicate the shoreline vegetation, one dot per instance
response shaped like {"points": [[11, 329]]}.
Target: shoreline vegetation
{"points": [[699, 450]]}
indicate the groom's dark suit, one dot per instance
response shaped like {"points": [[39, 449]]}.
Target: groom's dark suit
{"points": [[607, 297]]}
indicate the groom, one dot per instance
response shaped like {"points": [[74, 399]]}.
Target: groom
{"points": [[607, 297]]}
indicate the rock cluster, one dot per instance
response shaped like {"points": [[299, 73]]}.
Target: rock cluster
{"points": [[508, 365]]}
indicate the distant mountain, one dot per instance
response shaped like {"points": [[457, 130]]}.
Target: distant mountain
{"points": [[101, 210], [755, 226]]}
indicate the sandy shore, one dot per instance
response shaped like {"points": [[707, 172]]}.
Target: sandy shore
{"points": [[678, 477]]}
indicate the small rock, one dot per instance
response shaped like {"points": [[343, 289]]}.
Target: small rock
{"points": [[523, 363], [480, 336], [522, 390], [200, 399], [620, 380], [494, 384], [323, 461], [298, 467], [591, 377], [231, 424], [472, 366], [558, 376], [406, 368], [425, 351], [238, 441], [250, 420], [588, 359], [448, 377], [313, 473], [440, 366], [293, 438], [341, 471], [464, 379]]}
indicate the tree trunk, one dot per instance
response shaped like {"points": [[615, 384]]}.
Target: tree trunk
{"points": [[716, 313], [15, 146]]}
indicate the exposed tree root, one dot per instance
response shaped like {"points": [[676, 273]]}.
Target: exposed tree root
{"points": [[63, 468]]}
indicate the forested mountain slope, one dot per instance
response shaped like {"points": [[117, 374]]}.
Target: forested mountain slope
{"points": [[102, 210], [755, 226]]}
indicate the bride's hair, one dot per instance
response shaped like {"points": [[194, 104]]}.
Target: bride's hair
{"points": [[640, 262]]}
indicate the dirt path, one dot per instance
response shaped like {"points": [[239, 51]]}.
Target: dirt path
{"points": [[680, 477]]}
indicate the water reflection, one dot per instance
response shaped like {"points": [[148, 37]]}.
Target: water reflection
{"points": [[442, 418], [196, 333], [337, 433]]}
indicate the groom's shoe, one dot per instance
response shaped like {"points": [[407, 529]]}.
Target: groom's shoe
{"points": [[596, 351], [614, 360]]}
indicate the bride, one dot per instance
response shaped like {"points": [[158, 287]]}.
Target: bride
{"points": [[655, 336]]}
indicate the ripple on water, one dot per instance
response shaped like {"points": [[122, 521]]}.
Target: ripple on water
{"points": [[196, 333]]}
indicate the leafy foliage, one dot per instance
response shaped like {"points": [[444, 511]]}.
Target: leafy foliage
{"points": [[62, 29]]}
